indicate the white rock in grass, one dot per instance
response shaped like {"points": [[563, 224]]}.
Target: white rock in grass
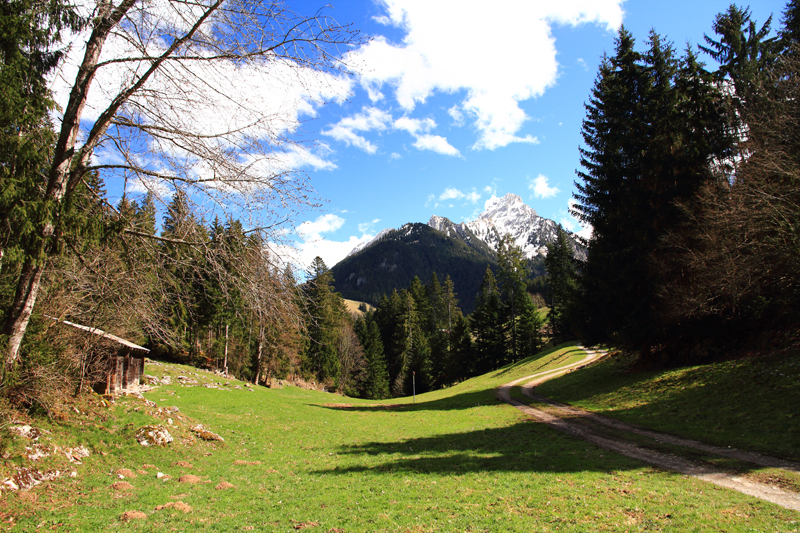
{"points": [[153, 436]]}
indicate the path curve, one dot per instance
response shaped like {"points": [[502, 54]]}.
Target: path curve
{"points": [[561, 414]]}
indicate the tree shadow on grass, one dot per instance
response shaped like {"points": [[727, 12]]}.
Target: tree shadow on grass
{"points": [[752, 405], [527, 446], [465, 400]]}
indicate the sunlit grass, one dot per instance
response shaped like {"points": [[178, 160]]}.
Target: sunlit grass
{"points": [[455, 460], [746, 403]]}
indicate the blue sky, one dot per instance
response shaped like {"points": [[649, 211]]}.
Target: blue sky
{"points": [[452, 102], [459, 101]]}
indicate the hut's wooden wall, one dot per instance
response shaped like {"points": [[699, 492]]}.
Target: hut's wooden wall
{"points": [[125, 371]]}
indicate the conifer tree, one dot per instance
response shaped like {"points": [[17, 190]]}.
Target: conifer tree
{"points": [[462, 358], [560, 264], [513, 273], [326, 311], [487, 325], [743, 50], [376, 383], [387, 317], [649, 146]]}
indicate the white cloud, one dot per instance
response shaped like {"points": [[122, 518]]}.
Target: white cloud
{"points": [[371, 118], [313, 244], [262, 98], [384, 20], [457, 116], [302, 254], [484, 65], [330, 251], [418, 129], [311, 231], [436, 143], [451, 193], [364, 227], [414, 126], [155, 186], [540, 187]]}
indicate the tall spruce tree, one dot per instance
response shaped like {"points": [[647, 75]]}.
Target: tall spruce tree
{"points": [[513, 276], [376, 382], [30, 43], [487, 323], [560, 265], [326, 312], [743, 49], [647, 134]]}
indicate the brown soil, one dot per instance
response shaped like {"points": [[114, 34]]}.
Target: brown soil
{"points": [[125, 473], [122, 485], [250, 463], [132, 515], [189, 478], [184, 464], [224, 485], [571, 420], [180, 506]]}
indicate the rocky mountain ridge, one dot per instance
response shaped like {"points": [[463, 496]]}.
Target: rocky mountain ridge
{"points": [[508, 214]]}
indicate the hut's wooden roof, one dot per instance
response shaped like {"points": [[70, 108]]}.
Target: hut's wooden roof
{"points": [[105, 335]]}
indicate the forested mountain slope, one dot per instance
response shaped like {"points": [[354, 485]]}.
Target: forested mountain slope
{"points": [[413, 250]]}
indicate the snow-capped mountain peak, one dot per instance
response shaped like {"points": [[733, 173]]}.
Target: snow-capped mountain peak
{"points": [[509, 214], [504, 215]]}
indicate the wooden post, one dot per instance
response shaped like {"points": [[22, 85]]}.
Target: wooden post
{"points": [[225, 364]]}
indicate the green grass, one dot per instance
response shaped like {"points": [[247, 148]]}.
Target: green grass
{"points": [[746, 403], [456, 460]]}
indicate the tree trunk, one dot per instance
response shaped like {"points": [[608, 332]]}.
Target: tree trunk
{"points": [[21, 310], [58, 179]]}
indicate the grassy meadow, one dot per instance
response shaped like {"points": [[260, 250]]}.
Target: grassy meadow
{"points": [[294, 459], [748, 403]]}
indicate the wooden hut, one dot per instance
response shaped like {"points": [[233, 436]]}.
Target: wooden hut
{"points": [[122, 363]]}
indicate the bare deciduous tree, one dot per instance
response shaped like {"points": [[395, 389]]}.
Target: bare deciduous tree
{"points": [[197, 97], [352, 362]]}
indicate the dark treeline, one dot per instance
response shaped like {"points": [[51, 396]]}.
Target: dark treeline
{"points": [[690, 182], [417, 250]]}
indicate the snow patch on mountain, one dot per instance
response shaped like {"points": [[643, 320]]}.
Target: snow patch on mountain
{"points": [[365, 245], [510, 214]]}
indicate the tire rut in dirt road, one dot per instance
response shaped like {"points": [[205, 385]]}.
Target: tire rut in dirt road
{"points": [[562, 417]]}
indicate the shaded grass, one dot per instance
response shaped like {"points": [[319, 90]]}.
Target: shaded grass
{"points": [[456, 460], [784, 479], [752, 404]]}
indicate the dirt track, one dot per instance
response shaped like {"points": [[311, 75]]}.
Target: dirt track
{"points": [[570, 420]]}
